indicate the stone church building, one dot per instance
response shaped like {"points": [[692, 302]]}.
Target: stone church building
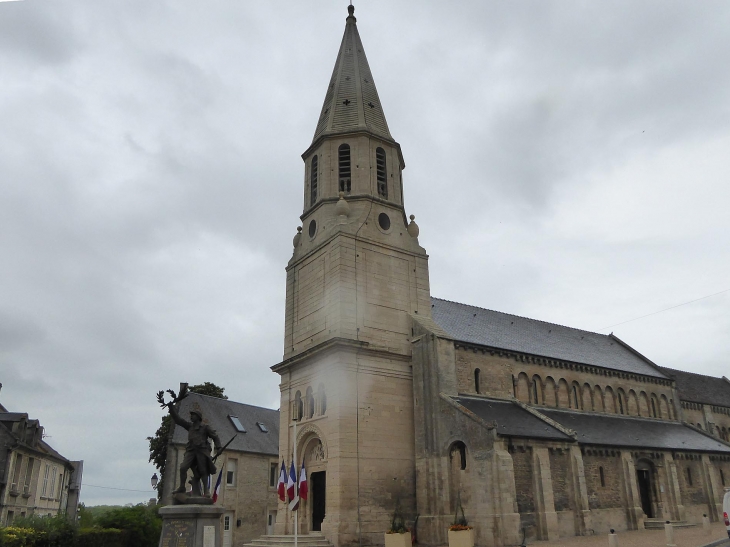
{"points": [[404, 399]]}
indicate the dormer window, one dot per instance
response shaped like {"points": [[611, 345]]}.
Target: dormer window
{"points": [[345, 168], [237, 423], [313, 182], [382, 173]]}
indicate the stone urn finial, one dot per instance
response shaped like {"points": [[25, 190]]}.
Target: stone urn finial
{"points": [[413, 230], [342, 208], [298, 237]]}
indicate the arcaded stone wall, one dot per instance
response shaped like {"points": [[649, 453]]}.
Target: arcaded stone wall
{"points": [[562, 385]]}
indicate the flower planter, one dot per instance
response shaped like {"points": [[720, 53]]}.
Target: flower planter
{"points": [[398, 540], [461, 538]]}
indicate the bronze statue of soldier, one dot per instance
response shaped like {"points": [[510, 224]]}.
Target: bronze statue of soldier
{"points": [[197, 451]]}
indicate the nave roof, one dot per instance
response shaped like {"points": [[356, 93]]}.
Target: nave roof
{"points": [[520, 334]]}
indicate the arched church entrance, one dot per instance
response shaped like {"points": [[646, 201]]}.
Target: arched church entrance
{"points": [[314, 453], [644, 480]]}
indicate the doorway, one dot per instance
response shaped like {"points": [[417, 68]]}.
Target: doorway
{"points": [[644, 479], [228, 529], [319, 488]]}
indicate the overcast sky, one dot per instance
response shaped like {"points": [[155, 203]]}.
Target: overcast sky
{"points": [[566, 161]]}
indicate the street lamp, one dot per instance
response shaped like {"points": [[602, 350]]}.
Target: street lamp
{"points": [[154, 480]]}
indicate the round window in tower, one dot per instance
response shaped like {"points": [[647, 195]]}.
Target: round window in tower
{"points": [[312, 228], [384, 221]]}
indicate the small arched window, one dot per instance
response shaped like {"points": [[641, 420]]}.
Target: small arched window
{"points": [[298, 406], [322, 400], [458, 449], [382, 174], [653, 408], [620, 402], [535, 398], [310, 403], [603, 477], [689, 476], [477, 372], [345, 168], [313, 182], [575, 397]]}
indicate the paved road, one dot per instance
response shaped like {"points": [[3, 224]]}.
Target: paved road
{"points": [[683, 537]]}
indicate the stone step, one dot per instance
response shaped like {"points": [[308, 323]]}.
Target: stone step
{"points": [[314, 539], [653, 524]]}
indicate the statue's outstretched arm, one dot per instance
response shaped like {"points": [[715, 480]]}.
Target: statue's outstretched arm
{"points": [[177, 418]]}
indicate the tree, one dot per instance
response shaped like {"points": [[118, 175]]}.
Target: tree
{"points": [[142, 524], [158, 443]]}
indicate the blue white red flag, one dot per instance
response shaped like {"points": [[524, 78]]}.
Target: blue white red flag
{"points": [[291, 484], [303, 483], [282, 482], [217, 486]]}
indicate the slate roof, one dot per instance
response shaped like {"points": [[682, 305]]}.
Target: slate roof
{"points": [[215, 413], [613, 430], [511, 332], [351, 102], [512, 420], [699, 388]]}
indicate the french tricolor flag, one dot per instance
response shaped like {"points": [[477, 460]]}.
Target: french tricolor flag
{"points": [[282, 482], [303, 483], [217, 486], [291, 484]]}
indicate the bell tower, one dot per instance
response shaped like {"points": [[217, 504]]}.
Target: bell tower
{"points": [[356, 278]]}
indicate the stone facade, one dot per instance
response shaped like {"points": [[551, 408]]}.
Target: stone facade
{"points": [[34, 478], [395, 399]]}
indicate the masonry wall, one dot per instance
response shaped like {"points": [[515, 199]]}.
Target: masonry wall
{"points": [[552, 384]]}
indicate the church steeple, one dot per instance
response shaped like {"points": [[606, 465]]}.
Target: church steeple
{"points": [[351, 102]]}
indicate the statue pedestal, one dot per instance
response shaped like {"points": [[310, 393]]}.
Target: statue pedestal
{"points": [[191, 526]]}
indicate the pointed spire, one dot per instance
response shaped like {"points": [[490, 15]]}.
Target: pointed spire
{"points": [[351, 102]]}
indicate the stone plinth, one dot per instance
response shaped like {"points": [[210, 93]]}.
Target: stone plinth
{"points": [[191, 526]]}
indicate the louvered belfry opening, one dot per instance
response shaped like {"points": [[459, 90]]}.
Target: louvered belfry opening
{"points": [[382, 173], [313, 182], [345, 168]]}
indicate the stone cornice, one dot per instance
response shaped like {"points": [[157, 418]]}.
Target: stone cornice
{"points": [[335, 344], [293, 263]]}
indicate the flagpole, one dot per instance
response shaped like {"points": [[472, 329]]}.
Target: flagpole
{"points": [[296, 487]]}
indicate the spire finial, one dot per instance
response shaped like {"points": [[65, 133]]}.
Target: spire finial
{"points": [[351, 9]]}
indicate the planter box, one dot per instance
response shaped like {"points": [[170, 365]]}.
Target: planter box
{"points": [[398, 540], [462, 538]]}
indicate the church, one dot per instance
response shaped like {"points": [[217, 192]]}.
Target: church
{"points": [[403, 400]]}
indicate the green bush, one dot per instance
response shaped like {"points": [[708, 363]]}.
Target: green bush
{"points": [[142, 524], [47, 532], [101, 537], [14, 536]]}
